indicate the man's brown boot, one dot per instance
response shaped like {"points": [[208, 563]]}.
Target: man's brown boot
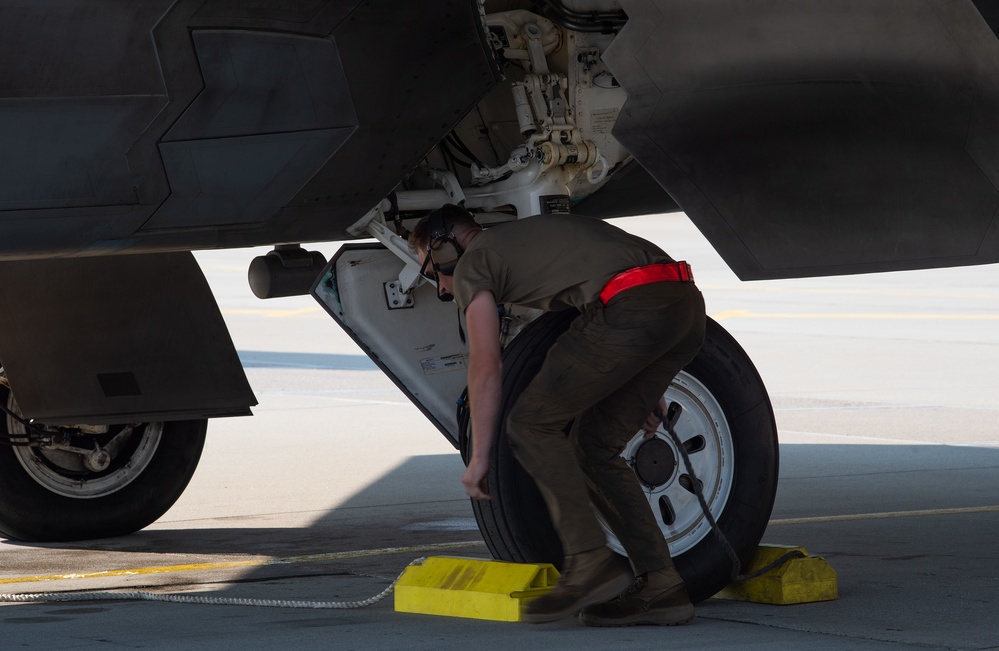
{"points": [[591, 577], [656, 598]]}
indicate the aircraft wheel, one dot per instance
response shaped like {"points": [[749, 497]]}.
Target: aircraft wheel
{"points": [[55, 494], [727, 428]]}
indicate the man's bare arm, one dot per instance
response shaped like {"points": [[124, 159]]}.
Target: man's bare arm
{"points": [[485, 377]]}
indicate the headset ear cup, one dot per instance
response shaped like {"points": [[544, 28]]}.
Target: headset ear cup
{"points": [[435, 227]]}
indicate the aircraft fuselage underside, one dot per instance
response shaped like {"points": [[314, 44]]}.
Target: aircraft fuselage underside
{"points": [[802, 137]]}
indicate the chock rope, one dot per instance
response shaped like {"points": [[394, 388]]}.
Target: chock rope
{"points": [[47, 597], [669, 420]]}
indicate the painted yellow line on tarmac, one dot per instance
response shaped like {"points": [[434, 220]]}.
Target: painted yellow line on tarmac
{"points": [[728, 314], [226, 565], [886, 515], [419, 549], [136, 571], [746, 314], [273, 313]]}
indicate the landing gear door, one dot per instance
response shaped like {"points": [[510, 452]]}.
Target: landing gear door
{"points": [[414, 338]]}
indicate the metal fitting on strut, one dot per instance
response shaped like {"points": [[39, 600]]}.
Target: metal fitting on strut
{"points": [[556, 154]]}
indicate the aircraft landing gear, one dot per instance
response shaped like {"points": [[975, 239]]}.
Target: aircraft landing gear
{"points": [[79, 483], [727, 428]]}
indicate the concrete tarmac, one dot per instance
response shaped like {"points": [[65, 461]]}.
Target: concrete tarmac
{"points": [[885, 392]]}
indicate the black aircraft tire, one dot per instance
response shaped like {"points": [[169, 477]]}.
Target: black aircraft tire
{"points": [[515, 522], [31, 511]]}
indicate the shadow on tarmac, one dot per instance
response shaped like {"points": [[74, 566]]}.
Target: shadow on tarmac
{"points": [[926, 575]]}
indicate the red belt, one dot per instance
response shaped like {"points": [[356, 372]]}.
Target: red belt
{"points": [[652, 273]]}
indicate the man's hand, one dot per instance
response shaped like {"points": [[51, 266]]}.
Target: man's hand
{"points": [[475, 480], [655, 418]]}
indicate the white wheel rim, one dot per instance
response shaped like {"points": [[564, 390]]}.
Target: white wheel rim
{"points": [[703, 427], [63, 472]]}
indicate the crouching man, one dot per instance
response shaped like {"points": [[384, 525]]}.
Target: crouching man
{"points": [[641, 320]]}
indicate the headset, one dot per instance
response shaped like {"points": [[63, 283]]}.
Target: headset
{"points": [[443, 250]]}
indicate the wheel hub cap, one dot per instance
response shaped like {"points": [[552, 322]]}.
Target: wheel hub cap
{"points": [[655, 462]]}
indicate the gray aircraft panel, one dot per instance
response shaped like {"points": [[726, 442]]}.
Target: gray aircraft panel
{"points": [[808, 138], [221, 123]]}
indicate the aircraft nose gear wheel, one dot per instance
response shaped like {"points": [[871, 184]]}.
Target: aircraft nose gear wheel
{"points": [[667, 484], [92, 483], [727, 428]]}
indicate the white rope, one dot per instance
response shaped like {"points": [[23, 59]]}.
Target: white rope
{"points": [[42, 597]]}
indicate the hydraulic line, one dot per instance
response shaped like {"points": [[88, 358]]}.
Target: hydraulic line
{"points": [[451, 156], [19, 439], [605, 22], [463, 149]]}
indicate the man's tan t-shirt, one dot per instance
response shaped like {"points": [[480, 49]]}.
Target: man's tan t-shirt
{"points": [[551, 262]]}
